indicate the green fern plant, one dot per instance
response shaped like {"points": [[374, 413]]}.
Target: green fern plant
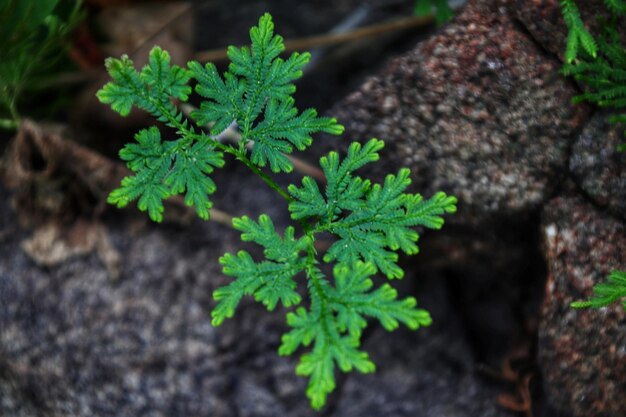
{"points": [[601, 66], [607, 293], [372, 222], [578, 37], [32, 35]]}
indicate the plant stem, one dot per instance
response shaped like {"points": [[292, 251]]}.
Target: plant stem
{"points": [[266, 178], [332, 38]]}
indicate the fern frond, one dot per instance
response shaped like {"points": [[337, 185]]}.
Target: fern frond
{"points": [[342, 189], [165, 169], [151, 89], [605, 76], [269, 281], [606, 293], [189, 174], [263, 233], [578, 36], [151, 164], [371, 221], [161, 169], [334, 323], [256, 93], [354, 299]]}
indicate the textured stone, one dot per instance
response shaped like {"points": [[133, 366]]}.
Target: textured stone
{"points": [[74, 342], [478, 110], [598, 168], [582, 353]]}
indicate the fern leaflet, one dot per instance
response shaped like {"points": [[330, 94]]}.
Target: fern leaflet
{"points": [[164, 169], [372, 221], [578, 36], [259, 84], [605, 75], [335, 320], [607, 293]]}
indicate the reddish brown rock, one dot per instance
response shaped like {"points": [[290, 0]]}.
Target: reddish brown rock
{"points": [[478, 110], [582, 353]]}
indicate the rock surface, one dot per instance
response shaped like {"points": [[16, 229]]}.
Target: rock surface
{"points": [[74, 342], [478, 111], [582, 352], [596, 165]]}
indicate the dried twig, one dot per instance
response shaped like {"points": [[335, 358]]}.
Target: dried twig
{"points": [[301, 44]]}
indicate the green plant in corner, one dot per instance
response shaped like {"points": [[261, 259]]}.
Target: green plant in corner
{"points": [[32, 35], [601, 64], [601, 67], [372, 222], [608, 293]]}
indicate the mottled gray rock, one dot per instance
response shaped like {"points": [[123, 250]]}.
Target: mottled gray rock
{"points": [[74, 342], [478, 111], [598, 168], [582, 353]]}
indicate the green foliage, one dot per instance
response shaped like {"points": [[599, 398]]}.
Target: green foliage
{"points": [[372, 222], [258, 84], [334, 322], [443, 11], [269, 281], [607, 293], [32, 37], [165, 169], [151, 89], [578, 36], [603, 73], [616, 6], [162, 169]]}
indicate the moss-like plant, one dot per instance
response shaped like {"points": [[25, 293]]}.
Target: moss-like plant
{"points": [[599, 65], [372, 222]]}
